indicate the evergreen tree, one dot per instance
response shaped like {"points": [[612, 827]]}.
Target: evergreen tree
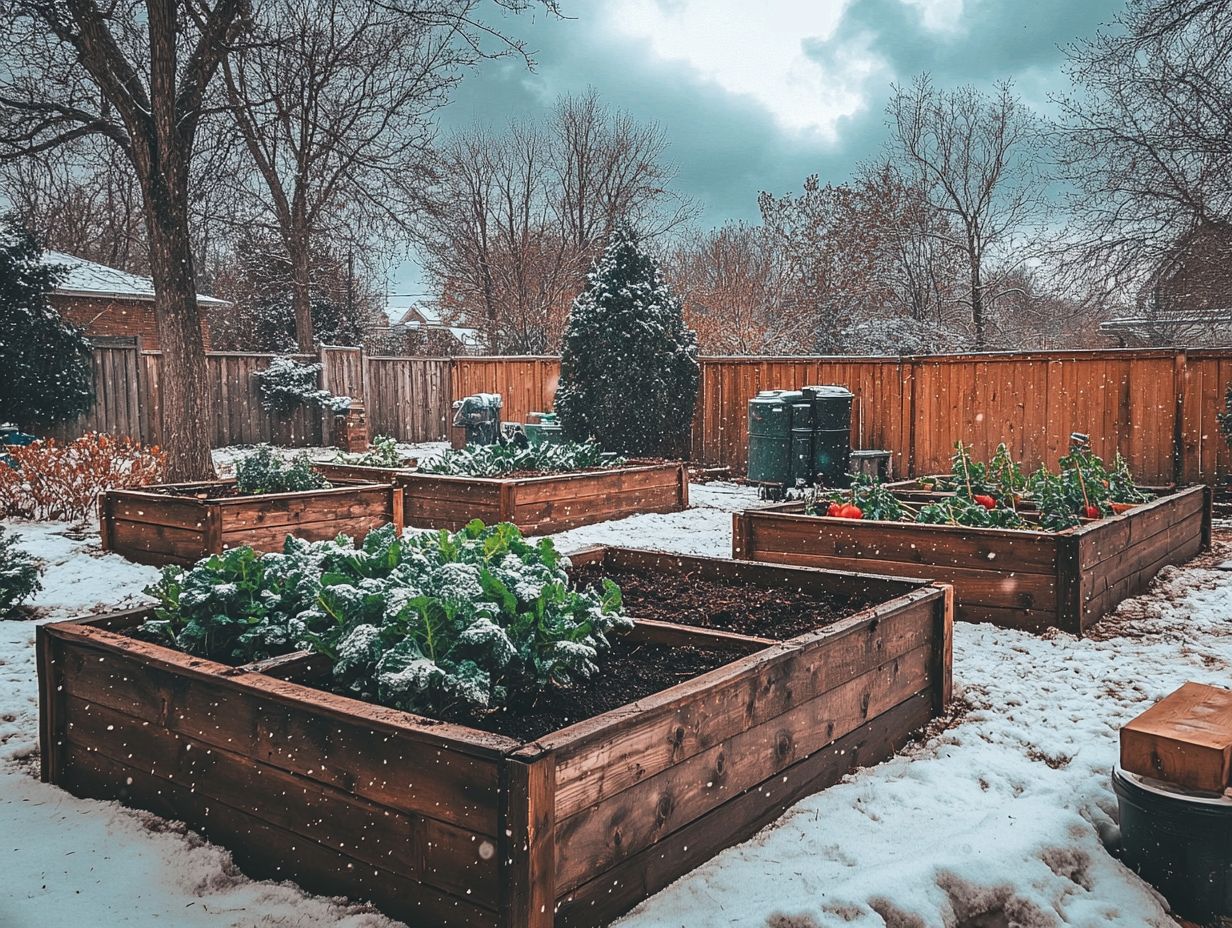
{"points": [[46, 361], [629, 370]]}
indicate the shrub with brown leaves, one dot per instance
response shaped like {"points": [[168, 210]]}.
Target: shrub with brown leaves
{"points": [[50, 480]]}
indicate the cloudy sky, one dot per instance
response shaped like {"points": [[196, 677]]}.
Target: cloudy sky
{"points": [[757, 95]]}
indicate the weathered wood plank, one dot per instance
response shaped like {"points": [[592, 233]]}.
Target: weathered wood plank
{"points": [[604, 756], [595, 838], [383, 755], [611, 893], [529, 847], [1184, 739], [267, 852]]}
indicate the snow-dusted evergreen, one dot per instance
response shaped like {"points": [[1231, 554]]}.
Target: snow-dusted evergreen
{"points": [[629, 369], [286, 384], [19, 573], [45, 360]]}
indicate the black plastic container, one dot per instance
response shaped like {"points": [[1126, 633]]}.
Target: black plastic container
{"points": [[1179, 842]]}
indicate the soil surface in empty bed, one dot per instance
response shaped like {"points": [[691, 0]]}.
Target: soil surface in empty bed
{"points": [[688, 599]]}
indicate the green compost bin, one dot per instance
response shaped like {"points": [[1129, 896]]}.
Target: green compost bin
{"points": [[801, 442], [770, 439], [546, 430], [831, 433]]}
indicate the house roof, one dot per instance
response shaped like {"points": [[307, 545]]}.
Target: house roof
{"points": [[410, 318], [88, 279]]}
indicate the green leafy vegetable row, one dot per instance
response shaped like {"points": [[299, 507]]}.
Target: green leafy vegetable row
{"points": [[432, 622], [382, 453], [265, 471], [500, 460]]}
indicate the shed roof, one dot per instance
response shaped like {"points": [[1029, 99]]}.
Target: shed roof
{"points": [[89, 279]]}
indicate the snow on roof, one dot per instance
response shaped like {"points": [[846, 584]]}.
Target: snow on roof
{"points": [[404, 313], [86, 278]]}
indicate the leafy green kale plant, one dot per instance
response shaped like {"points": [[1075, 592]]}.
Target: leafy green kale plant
{"points": [[434, 622], [19, 574], [382, 453], [265, 471], [238, 606], [501, 460]]}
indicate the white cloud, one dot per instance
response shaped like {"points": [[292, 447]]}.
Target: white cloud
{"points": [[757, 50], [939, 15]]}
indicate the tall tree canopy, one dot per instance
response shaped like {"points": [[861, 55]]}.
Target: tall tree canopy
{"points": [[1145, 142]]}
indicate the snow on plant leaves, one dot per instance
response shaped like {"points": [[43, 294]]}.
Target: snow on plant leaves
{"points": [[425, 622]]}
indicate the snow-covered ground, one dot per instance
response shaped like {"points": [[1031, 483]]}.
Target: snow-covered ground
{"points": [[998, 818]]}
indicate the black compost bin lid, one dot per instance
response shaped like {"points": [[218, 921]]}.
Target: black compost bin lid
{"points": [[828, 391]]}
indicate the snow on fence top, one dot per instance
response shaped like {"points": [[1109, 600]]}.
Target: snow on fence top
{"points": [[88, 279]]}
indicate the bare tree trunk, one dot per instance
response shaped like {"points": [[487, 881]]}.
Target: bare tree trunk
{"points": [[977, 296], [184, 395], [301, 291]]}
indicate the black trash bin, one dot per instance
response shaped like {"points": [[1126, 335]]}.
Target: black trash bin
{"points": [[1179, 842]]}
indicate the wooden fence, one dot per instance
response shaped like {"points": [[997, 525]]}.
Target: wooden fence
{"points": [[1157, 408]]}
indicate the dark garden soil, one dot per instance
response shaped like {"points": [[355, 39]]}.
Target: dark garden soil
{"points": [[687, 599], [630, 671]]}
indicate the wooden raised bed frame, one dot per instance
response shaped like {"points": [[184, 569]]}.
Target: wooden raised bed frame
{"points": [[173, 528], [1010, 577], [536, 505], [441, 824]]}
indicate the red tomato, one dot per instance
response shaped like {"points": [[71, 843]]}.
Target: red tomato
{"points": [[986, 501], [1093, 512], [851, 511], [834, 510]]}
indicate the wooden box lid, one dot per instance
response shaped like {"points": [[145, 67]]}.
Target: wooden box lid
{"points": [[1184, 739]]}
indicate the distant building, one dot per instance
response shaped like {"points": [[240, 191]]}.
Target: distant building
{"points": [[108, 303], [418, 329], [1187, 300]]}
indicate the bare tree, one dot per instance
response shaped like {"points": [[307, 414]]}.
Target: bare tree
{"points": [[81, 199], [731, 281], [918, 264], [517, 216], [976, 157], [827, 282], [136, 74], [333, 100], [1146, 143]]}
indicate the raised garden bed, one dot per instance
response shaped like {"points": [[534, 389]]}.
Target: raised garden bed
{"points": [[181, 523], [1015, 578], [537, 505], [444, 824]]}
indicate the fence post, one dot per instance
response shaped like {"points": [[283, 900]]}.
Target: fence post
{"points": [[1180, 373], [912, 377]]}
